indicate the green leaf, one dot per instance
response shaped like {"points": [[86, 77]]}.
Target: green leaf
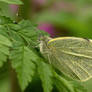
{"points": [[66, 85], [4, 41], [14, 36], [46, 75], [5, 20], [4, 79], [18, 2], [22, 62], [62, 84], [78, 86], [5, 9], [4, 49], [3, 58], [11, 34], [27, 31]]}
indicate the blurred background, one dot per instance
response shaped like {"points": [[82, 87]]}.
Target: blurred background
{"points": [[60, 18]]}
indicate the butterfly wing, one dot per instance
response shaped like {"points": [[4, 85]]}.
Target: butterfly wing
{"points": [[72, 56]]}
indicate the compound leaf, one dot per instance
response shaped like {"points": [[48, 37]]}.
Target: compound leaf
{"points": [[22, 62]]}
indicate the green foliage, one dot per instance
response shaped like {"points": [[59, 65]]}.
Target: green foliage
{"points": [[67, 86], [22, 62], [46, 75], [4, 41], [20, 48], [12, 1], [4, 49], [4, 9], [76, 23], [4, 78], [5, 20]]}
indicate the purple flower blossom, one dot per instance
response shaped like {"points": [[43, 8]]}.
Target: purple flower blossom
{"points": [[13, 8], [47, 28]]}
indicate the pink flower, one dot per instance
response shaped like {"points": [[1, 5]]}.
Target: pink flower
{"points": [[47, 28], [13, 8]]}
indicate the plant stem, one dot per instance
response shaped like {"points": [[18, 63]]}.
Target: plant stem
{"points": [[24, 10], [14, 81]]}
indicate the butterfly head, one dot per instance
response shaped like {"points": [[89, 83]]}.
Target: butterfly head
{"points": [[44, 39]]}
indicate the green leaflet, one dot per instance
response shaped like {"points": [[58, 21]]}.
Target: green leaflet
{"points": [[62, 84], [22, 62], [4, 49], [5, 20], [4, 41], [30, 33], [25, 30], [46, 75]]}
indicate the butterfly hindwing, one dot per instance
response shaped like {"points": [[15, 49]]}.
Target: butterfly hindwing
{"points": [[73, 56]]}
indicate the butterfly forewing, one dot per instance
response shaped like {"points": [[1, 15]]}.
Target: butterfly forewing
{"points": [[73, 56]]}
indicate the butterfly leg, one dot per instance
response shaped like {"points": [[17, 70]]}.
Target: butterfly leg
{"points": [[49, 59]]}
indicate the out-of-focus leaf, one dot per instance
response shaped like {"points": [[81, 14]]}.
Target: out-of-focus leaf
{"points": [[74, 25], [4, 9], [79, 2], [48, 16], [18, 2]]}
